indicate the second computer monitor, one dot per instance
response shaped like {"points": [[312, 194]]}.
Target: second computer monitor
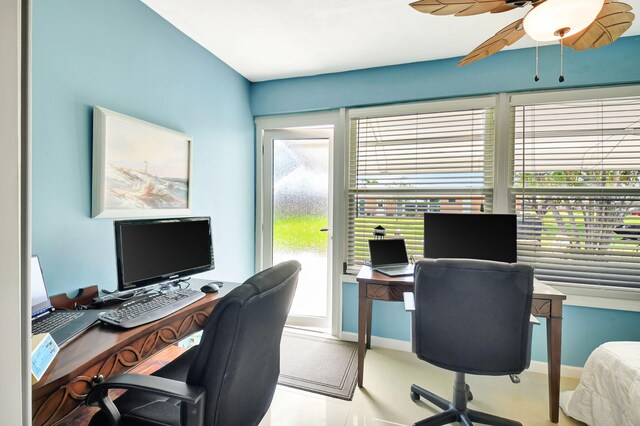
{"points": [[471, 236]]}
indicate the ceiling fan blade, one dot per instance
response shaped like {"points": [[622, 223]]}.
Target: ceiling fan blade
{"points": [[505, 37], [505, 8], [517, 4], [613, 20], [457, 7]]}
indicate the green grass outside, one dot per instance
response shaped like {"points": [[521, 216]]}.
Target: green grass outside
{"points": [[300, 233]]}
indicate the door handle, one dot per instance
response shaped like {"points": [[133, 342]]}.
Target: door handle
{"points": [[325, 229]]}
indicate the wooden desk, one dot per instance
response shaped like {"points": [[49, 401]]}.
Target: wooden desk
{"points": [[547, 303], [107, 351]]}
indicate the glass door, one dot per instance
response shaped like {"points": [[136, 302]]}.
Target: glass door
{"points": [[296, 216]]}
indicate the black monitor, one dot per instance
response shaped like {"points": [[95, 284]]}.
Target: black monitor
{"points": [[471, 236], [151, 251]]}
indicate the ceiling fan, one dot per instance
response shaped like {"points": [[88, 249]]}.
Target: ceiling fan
{"points": [[579, 24]]}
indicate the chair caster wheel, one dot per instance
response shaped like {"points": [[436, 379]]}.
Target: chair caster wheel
{"points": [[414, 396]]}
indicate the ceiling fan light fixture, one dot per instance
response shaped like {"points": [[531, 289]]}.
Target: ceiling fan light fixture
{"points": [[555, 19]]}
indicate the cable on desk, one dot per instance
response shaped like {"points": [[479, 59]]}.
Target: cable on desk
{"points": [[177, 283]]}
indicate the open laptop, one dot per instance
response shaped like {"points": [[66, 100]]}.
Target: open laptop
{"points": [[389, 256], [62, 325]]}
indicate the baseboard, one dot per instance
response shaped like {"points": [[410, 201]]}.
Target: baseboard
{"points": [[402, 345], [381, 342]]}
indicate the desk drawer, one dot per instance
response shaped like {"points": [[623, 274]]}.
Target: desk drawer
{"points": [[387, 292], [541, 308]]}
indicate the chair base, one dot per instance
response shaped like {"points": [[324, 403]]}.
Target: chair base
{"points": [[456, 411]]}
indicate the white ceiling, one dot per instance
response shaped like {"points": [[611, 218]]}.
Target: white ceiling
{"points": [[272, 39]]}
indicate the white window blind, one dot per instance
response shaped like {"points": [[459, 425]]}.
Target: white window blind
{"points": [[404, 165], [576, 189]]}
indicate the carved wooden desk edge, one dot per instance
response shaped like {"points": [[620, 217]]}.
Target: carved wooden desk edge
{"points": [[62, 396]]}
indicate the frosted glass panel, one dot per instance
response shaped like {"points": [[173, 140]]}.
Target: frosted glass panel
{"points": [[300, 210]]}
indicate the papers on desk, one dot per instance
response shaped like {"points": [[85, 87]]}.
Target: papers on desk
{"points": [[409, 301], [43, 350]]}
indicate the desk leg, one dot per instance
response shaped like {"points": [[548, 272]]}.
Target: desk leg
{"points": [[369, 316], [554, 341], [363, 321]]}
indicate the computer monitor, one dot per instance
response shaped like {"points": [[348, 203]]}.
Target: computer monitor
{"points": [[471, 236], [151, 251]]}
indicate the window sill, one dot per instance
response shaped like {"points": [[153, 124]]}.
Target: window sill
{"points": [[615, 298]]}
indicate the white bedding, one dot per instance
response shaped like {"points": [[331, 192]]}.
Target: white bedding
{"points": [[609, 389]]}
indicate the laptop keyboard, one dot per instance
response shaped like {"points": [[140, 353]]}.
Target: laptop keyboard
{"points": [[395, 269], [54, 321]]}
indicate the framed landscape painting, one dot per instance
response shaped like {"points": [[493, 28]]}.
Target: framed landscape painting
{"points": [[139, 169]]}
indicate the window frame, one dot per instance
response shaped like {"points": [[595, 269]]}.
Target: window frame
{"points": [[591, 295], [438, 106], [559, 97]]}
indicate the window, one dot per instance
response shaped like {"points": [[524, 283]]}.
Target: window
{"points": [[411, 159], [576, 188], [567, 163]]}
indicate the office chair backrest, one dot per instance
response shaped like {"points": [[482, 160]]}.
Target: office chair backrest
{"points": [[472, 316], [238, 359]]}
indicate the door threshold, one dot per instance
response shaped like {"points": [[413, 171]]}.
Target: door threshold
{"points": [[310, 331]]}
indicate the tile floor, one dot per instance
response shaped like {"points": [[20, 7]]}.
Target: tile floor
{"points": [[385, 401]]}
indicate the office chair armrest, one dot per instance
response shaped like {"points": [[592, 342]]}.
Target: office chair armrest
{"points": [[192, 397], [409, 301]]}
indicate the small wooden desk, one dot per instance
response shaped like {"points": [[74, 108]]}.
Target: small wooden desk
{"points": [[107, 351], [547, 303]]}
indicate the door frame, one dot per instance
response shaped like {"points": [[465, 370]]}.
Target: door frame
{"points": [[15, 216], [300, 133], [327, 119]]}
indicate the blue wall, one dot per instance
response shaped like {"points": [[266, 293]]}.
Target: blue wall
{"points": [[512, 71], [121, 55], [584, 329]]}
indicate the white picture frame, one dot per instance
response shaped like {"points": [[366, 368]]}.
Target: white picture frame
{"points": [[139, 169]]}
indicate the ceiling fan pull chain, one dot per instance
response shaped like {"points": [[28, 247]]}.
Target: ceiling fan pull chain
{"points": [[561, 78], [536, 78]]}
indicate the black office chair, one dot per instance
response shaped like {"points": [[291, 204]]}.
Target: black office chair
{"points": [[471, 316], [228, 379]]}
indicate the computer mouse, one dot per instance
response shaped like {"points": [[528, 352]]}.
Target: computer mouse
{"points": [[210, 288]]}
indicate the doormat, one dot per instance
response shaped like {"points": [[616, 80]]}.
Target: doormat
{"points": [[320, 365]]}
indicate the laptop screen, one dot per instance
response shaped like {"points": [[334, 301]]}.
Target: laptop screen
{"points": [[388, 252], [39, 298]]}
